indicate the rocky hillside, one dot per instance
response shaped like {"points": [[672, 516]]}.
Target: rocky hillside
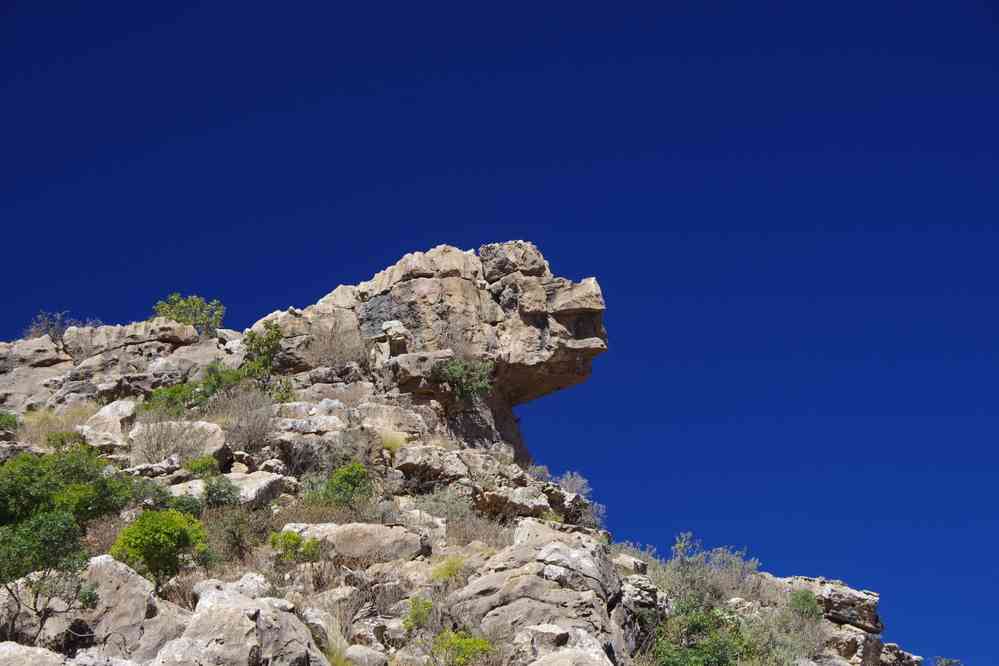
{"points": [[347, 484]]}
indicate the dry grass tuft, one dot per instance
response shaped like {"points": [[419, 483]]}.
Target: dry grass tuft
{"points": [[36, 426]]}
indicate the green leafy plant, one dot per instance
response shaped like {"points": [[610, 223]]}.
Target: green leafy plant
{"points": [[261, 350], [47, 546], [469, 379], [459, 648], [348, 486], [173, 401], [203, 466], [63, 438], [418, 615], [8, 421], [805, 605], [283, 391], [292, 547], [700, 637], [220, 491], [448, 570], [188, 504], [72, 480], [205, 316], [155, 542]]}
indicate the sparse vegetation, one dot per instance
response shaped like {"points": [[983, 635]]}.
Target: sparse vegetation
{"points": [[392, 440], [458, 648], [36, 426], [469, 379], [448, 570], [203, 466], [219, 492], [8, 421], [63, 438], [154, 544], [54, 325], [292, 547], [157, 440], [261, 350], [348, 486], [203, 315], [464, 523]]}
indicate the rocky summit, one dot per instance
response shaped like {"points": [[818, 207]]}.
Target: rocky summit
{"points": [[346, 483]]}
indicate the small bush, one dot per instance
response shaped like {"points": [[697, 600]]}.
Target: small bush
{"points": [[54, 325], [448, 570], [234, 531], [469, 379], [464, 523], [459, 648], [700, 638], [220, 491], [283, 391], [194, 310], [8, 421], [63, 438], [149, 494], [348, 486], [418, 615], [155, 542], [48, 545], [188, 504], [261, 350], [392, 441], [574, 482], [244, 412], [804, 604], [291, 547], [156, 441], [203, 466]]}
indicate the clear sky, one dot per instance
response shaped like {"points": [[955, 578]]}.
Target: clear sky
{"points": [[791, 208]]}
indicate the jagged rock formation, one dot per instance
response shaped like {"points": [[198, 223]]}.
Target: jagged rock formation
{"points": [[362, 363]]}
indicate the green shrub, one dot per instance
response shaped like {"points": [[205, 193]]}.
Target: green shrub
{"points": [[218, 378], [188, 504], [292, 547], [283, 391], [152, 495], [469, 379], [155, 542], [418, 615], [63, 438], [347, 487], [173, 401], [804, 604], [700, 637], [203, 466], [459, 648], [220, 491], [8, 421], [194, 310], [261, 350], [47, 544], [449, 569], [72, 479]]}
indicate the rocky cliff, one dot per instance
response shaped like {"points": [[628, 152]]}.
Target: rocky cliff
{"points": [[458, 517]]}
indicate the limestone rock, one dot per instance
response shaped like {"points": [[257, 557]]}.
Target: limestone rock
{"points": [[842, 604], [13, 654], [108, 429], [256, 489], [230, 628], [362, 655], [366, 542]]}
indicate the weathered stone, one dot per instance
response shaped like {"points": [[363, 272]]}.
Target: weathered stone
{"points": [[366, 542], [362, 655], [256, 489]]}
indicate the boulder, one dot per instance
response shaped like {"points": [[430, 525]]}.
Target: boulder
{"points": [[108, 429], [365, 542], [362, 655], [14, 654], [230, 628], [256, 489]]}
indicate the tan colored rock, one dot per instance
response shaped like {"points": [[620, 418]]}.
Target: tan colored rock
{"points": [[13, 654], [366, 542], [842, 604]]}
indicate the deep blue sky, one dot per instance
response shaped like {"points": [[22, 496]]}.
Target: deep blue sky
{"points": [[791, 209]]}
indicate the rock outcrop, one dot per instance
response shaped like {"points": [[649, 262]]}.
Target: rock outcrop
{"points": [[364, 363]]}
